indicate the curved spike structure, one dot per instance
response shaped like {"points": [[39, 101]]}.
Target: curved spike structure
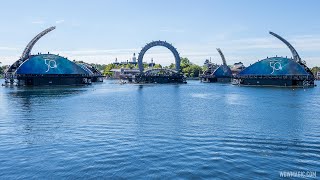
{"points": [[9, 75], [295, 54], [222, 56], [27, 50]]}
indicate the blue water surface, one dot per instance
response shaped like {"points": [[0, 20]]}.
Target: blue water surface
{"points": [[195, 130]]}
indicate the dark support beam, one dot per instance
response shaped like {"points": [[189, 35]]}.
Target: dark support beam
{"points": [[222, 57]]}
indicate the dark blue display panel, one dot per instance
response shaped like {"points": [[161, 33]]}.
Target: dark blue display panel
{"points": [[222, 71], [50, 64], [275, 66]]}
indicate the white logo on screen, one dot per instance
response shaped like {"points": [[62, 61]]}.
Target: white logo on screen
{"points": [[276, 66], [52, 64]]}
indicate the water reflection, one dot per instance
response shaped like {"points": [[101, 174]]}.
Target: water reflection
{"points": [[37, 113]]}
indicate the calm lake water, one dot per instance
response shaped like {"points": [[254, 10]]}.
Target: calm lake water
{"points": [[194, 130]]}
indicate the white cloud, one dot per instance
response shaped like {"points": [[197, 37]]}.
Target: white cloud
{"points": [[8, 48], [100, 51], [247, 50], [59, 21], [305, 43]]}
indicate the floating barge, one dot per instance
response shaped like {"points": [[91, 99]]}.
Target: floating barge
{"points": [[48, 69], [220, 74], [277, 71], [159, 75]]}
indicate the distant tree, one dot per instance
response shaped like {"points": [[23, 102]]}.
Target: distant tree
{"points": [[2, 69], [157, 66], [196, 70], [314, 70], [204, 68], [189, 69], [129, 66], [99, 67], [185, 62], [172, 66], [107, 69]]}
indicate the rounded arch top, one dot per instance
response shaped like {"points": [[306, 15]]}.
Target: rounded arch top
{"points": [[163, 44]]}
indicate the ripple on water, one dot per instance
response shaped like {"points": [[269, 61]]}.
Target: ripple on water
{"points": [[195, 130]]}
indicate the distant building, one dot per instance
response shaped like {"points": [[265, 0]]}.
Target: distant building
{"points": [[217, 73], [116, 62], [124, 73], [128, 73], [133, 61], [237, 68], [211, 66], [152, 64]]}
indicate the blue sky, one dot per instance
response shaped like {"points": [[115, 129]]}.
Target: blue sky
{"points": [[99, 31]]}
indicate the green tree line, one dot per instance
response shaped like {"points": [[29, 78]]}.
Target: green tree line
{"points": [[2, 68], [188, 68]]}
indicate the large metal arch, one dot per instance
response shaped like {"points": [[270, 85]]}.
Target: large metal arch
{"points": [[222, 57], [159, 43], [295, 54]]}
